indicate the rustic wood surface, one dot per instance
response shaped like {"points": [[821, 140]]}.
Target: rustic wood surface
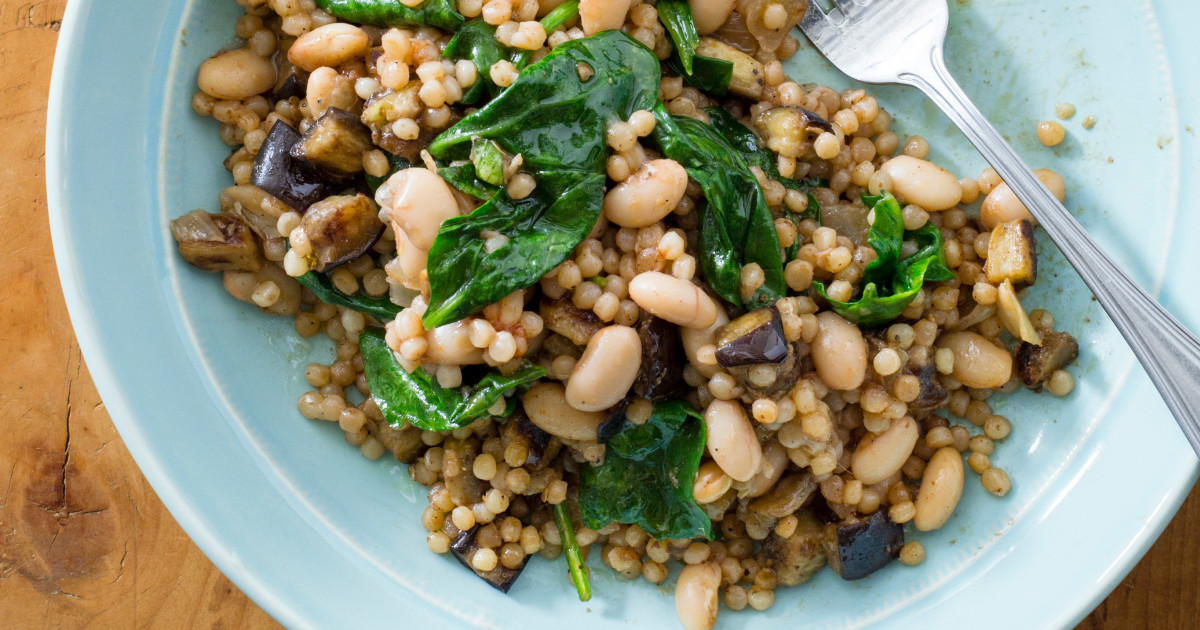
{"points": [[84, 541]]}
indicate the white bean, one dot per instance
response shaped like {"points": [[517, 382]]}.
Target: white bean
{"points": [[879, 456], [731, 439], [1002, 205], [451, 345], [547, 407], [709, 15], [241, 285], [421, 200], [648, 195], [978, 363], [677, 301], [410, 259], [941, 488], [696, 338], [330, 45], [235, 75], [602, 15], [923, 183], [839, 352], [696, 595], [711, 483], [607, 369]]}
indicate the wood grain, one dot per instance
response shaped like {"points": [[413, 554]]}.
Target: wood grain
{"points": [[84, 541]]}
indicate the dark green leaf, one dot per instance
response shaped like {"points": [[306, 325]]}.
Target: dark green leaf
{"points": [[708, 74], [419, 400], [462, 177], [488, 158], [743, 139], [556, 120], [676, 17], [395, 163], [889, 283], [381, 308], [542, 230], [736, 227], [476, 41], [439, 13], [647, 476]]}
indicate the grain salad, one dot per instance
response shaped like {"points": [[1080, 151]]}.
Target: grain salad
{"points": [[612, 283]]}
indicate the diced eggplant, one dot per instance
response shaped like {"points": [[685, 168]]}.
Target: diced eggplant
{"points": [[292, 82], [564, 318], [774, 463], [1035, 364], [294, 182], [747, 79], [788, 126], [615, 422], [790, 494], [768, 380], [341, 229], [798, 557], [933, 394], [860, 548], [379, 112], [849, 219], [335, 143], [1012, 254], [540, 447], [216, 242], [404, 443], [257, 209], [458, 463], [754, 338], [464, 547], [661, 373]]}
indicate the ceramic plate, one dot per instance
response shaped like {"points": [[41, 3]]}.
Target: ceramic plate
{"points": [[203, 388]]}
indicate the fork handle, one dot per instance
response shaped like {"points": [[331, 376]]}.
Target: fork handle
{"points": [[1167, 350]]}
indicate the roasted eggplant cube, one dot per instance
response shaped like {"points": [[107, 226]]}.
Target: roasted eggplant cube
{"points": [[294, 182], [747, 79], [932, 394], [661, 372], [335, 143], [1011, 254], [540, 448], [1035, 364], [798, 557], [564, 318], [216, 242], [464, 547], [861, 548], [341, 229], [752, 339]]}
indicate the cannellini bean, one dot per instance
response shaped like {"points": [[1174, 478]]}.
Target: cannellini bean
{"points": [[839, 352], [421, 200], [451, 345], [235, 75], [709, 15], [648, 195], [941, 488], [711, 483], [879, 456], [607, 369], [978, 363], [696, 338], [677, 301], [329, 45], [410, 259], [774, 463], [732, 441], [1002, 205], [547, 407], [696, 595], [327, 88], [923, 183], [602, 15]]}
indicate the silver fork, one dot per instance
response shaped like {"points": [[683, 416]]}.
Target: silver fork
{"points": [[900, 41]]}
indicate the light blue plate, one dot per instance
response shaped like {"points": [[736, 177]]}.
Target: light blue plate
{"points": [[203, 388]]}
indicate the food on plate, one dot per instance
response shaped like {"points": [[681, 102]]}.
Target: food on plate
{"points": [[609, 281]]}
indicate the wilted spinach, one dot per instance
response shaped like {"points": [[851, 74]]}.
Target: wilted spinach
{"points": [[736, 227], [708, 74], [476, 41], [439, 13], [890, 283], [541, 231], [647, 476], [676, 18], [743, 139], [416, 398], [462, 176], [381, 308]]}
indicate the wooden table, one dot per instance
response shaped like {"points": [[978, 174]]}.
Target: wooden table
{"points": [[84, 541]]}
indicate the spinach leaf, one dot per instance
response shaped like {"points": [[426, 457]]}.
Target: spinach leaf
{"points": [[676, 17], [741, 138], [570, 547], [439, 13], [736, 227], [381, 308], [647, 476], [555, 119], [488, 159], [462, 176], [890, 283], [542, 231], [395, 163], [416, 398], [709, 74], [476, 41]]}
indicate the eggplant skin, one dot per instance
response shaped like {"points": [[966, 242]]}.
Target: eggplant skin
{"points": [[294, 182], [933, 394], [341, 229], [752, 339], [564, 318], [798, 557], [463, 548], [216, 242], [861, 548], [335, 143], [1035, 364], [661, 372]]}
